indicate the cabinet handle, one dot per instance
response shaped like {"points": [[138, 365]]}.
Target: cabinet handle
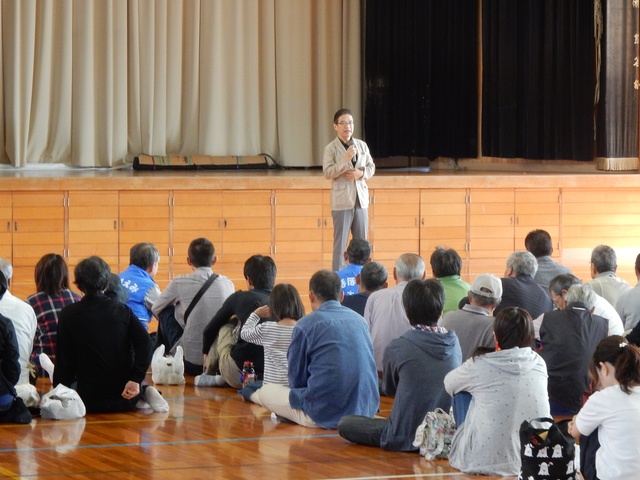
{"points": [[319, 223], [225, 223], [115, 224], [15, 226]]}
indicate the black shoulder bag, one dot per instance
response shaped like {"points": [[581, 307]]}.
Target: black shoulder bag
{"points": [[205, 286]]}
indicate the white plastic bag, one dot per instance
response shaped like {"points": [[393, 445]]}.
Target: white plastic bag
{"points": [[167, 370], [62, 403], [434, 434]]}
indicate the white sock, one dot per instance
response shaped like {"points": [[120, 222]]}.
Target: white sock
{"points": [[205, 380], [155, 400], [142, 405]]}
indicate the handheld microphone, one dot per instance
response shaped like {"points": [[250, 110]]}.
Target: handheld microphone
{"points": [[354, 159]]}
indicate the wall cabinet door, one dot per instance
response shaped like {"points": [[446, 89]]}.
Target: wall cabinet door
{"points": [[6, 223], [246, 230], [491, 230], [38, 228], [443, 223], [538, 209], [194, 214], [93, 227], [594, 217], [144, 217], [394, 225], [298, 235]]}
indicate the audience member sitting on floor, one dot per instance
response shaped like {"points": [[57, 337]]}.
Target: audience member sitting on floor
{"points": [[519, 289], [568, 338], [331, 368], [52, 284], [473, 324], [446, 266], [605, 282], [372, 278], [628, 304], [558, 289], [25, 324], [384, 311], [358, 254], [12, 407], [177, 299], [223, 351], [285, 305], [607, 426], [103, 349], [139, 281], [539, 243], [508, 386], [414, 367]]}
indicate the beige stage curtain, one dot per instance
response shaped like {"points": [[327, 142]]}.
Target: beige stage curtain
{"points": [[92, 82]]}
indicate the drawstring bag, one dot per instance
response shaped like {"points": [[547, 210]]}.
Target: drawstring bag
{"points": [[547, 450], [435, 433]]}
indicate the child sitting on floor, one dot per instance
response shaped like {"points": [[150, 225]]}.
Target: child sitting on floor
{"points": [[611, 416], [285, 305]]}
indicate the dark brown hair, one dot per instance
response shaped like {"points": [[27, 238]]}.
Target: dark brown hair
{"points": [[52, 274], [623, 356], [513, 327], [285, 302]]}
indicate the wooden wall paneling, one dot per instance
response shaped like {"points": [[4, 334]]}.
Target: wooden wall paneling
{"points": [[92, 227], [491, 229], [194, 214], [327, 230], [144, 217], [6, 223], [394, 224], [591, 217], [538, 208], [300, 232], [443, 223], [38, 228], [247, 230]]}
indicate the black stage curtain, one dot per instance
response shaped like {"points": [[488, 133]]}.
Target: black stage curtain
{"points": [[421, 74], [538, 79]]}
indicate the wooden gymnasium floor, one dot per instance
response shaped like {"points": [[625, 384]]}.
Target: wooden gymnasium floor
{"points": [[208, 433]]}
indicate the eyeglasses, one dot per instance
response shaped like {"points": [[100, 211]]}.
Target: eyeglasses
{"points": [[344, 124]]}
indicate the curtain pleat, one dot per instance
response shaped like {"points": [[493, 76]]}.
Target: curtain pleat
{"points": [[93, 82], [421, 78], [538, 79]]}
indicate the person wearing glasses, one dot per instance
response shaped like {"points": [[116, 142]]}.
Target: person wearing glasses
{"points": [[348, 164]]}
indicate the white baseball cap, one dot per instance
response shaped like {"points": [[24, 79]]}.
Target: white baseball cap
{"points": [[487, 285]]}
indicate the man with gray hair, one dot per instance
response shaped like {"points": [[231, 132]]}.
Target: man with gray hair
{"points": [[519, 289], [473, 323], [568, 338], [25, 324], [558, 288], [606, 283], [384, 311]]}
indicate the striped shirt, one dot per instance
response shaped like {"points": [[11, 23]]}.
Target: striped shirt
{"points": [[275, 339]]}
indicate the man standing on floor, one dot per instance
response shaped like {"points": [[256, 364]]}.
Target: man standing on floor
{"points": [[331, 367], [348, 164]]}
